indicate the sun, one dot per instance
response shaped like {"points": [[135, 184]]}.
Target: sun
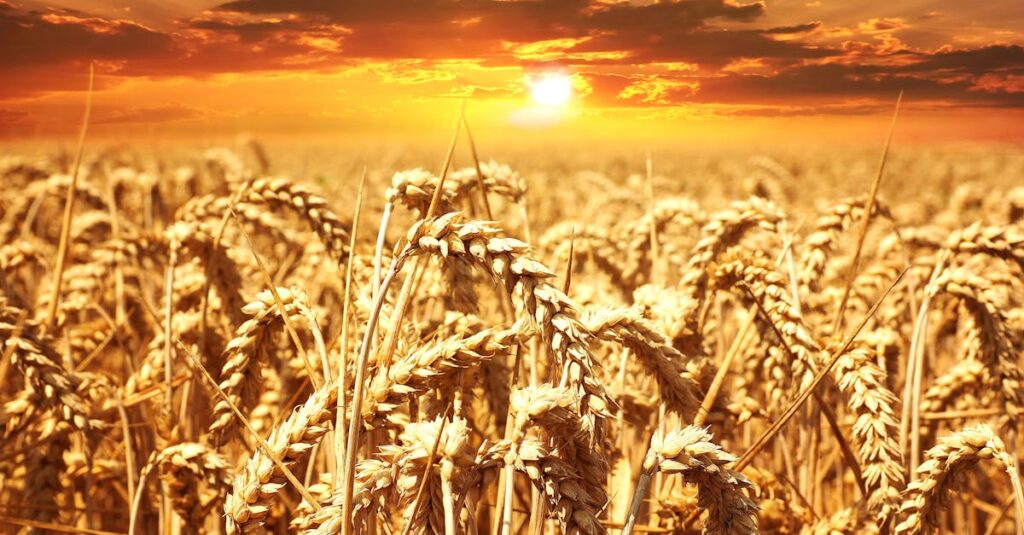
{"points": [[554, 90]]}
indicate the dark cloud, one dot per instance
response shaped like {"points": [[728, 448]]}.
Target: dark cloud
{"points": [[15, 123], [798, 28], [432, 22], [49, 50], [830, 83], [248, 32], [708, 47], [661, 18], [989, 77], [974, 61], [61, 37], [660, 31]]}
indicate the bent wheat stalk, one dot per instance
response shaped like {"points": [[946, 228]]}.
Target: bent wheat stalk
{"points": [[941, 473], [691, 453]]}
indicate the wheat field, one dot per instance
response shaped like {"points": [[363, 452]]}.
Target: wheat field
{"points": [[209, 342]]}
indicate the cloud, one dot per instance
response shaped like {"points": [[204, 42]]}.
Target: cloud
{"points": [[643, 55], [996, 83], [975, 62], [837, 82], [655, 90], [151, 114], [882, 25], [49, 50], [56, 37], [991, 77], [573, 31], [55, 46]]}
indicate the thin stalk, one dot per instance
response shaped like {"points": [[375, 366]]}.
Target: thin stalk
{"points": [[52, 527], [656, 267], [137, 502], [962, 414], [503, 476], [426, 473], [994, 525], [777, 426], [225, 218], [479, 172], [405, 295], [506, 511], [115, 234], [642, 485], [723, 369], [245, 422], [168, 342], [339, 422], [69, 211], [447, 499], [915, 401], [568, 265], [129, 450], [1018, 497], [355, 425], [314, 375], [837, 322], [911, 413], [378, 251], [734, 349], [851, 458]]}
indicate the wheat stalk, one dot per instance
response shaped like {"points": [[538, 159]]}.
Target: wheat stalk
{"points": [[53, 384], [875, 429], [525, 280], [247, 505], [241, 377]]}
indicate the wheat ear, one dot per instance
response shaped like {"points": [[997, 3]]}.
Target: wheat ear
{"points": [[691, 453], [942, 472]]}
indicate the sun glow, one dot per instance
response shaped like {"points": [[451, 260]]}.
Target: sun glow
{"points": [[554, 90]]}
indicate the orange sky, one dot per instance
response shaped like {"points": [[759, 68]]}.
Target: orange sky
{"points": [[688, 70]]}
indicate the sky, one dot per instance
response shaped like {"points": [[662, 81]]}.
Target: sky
{"points": [[685, 70]]}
